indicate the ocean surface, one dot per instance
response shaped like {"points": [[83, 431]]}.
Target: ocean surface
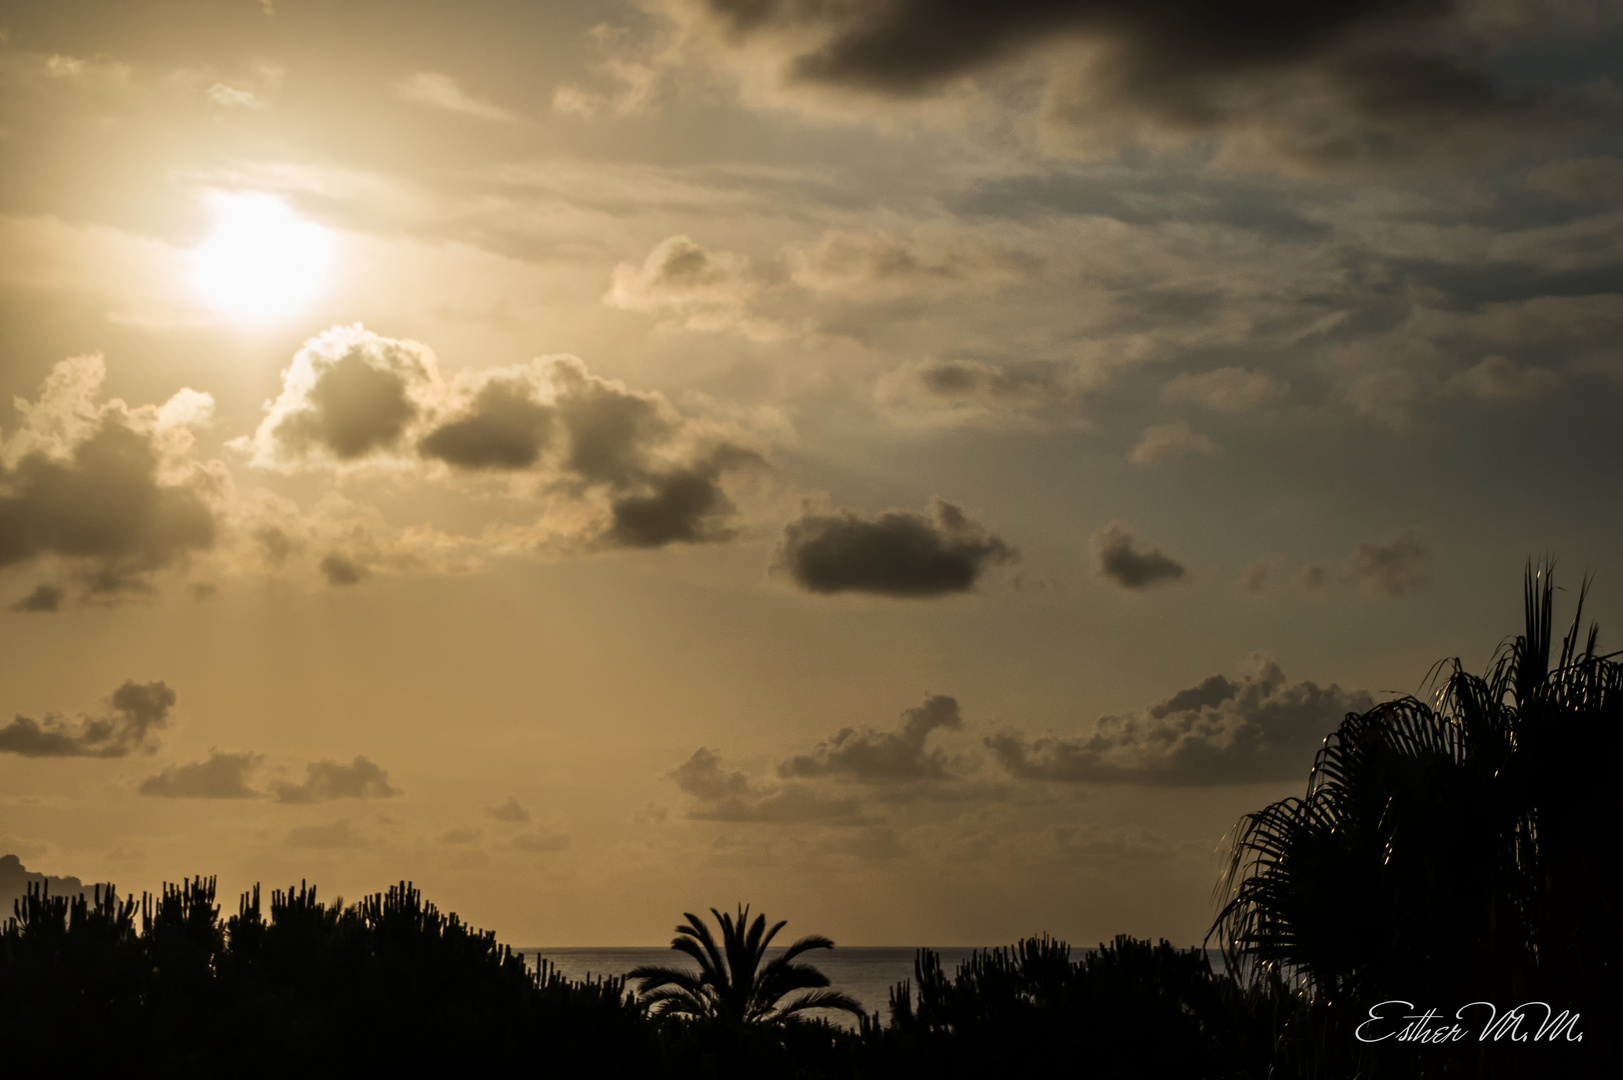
{"points": [[867, 973]]}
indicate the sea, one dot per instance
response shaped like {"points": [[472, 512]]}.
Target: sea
{"points": [[867, 973]]}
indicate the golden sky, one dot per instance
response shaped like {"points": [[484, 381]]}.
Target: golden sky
{"points": [[921, 468]]}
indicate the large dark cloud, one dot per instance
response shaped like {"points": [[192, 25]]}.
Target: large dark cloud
{"points": [[349, 394], [884, 756], [1220, 731], [503, 427], [1350, 78], [103, 505], [1119, 559], [326, 780], [220, 776], [138, 712], [899, 553]]}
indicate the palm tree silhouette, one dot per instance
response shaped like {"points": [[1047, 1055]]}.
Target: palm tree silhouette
{"points": [[1461, 848], [733, 985]]}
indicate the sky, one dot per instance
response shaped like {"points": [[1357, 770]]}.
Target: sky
{"points": [[923, 469]]}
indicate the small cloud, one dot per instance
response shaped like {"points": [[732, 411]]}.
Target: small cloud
{"points": [[222, 776], [541, 841], [44, 598], [1255, 577], [1229, 388], [1497, 378], [139, 710], [1119, 559], [898, 554], [1163, 442], [336, 835], [879, 757], [326, 780], [1312, 577], [509, 811], [341, 570], [460, 837], [443, 92], [232, 97], [1397, 567], [729, 796]]}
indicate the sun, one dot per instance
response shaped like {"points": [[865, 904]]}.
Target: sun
{"points": [[262, 262]]}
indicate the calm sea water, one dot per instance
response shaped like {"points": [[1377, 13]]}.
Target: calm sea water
{"points": [[867, 973]]}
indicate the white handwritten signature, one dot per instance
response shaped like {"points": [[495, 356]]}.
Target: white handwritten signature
{"points": [[1388, 1021]]}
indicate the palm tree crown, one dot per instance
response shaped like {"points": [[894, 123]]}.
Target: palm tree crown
{"points": [[733, 985], [1461, 846]]}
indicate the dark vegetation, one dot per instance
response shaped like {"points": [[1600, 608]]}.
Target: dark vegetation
{"points": [[1450, 851]]}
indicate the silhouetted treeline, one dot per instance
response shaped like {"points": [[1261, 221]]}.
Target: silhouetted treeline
{"points": [[167, 987]]}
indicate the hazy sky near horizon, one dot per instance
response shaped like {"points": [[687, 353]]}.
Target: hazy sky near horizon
{"points": [[921, 468]]}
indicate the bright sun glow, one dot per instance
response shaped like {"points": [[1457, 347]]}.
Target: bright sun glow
{"points": [[262, 262]]}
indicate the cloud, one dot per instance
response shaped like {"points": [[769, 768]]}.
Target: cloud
{"points": [[1229, 388], [139, 711], [1164, 442], [882, 757], [102, 486], [1119, 559], [15, 879], [336, 835], [973, 392], [1497, 378], [1220, 731], [461, 836], [349, 396], [624, 468], [509, 811], [232, 97], [502, 427], [541, 841], [729, 796], [327, 780], [1344, 83], [44, 598], [221, 776], [899, 553], [341, 570], [443, 92], [1397, 567], [1255, 577], [707, 290]]}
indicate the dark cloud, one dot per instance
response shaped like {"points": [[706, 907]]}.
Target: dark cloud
{"points": [[138, 711], [221, 776], [509, 811], [1349, 80], [888, 756], [504, 427], [104, 504], [1118, 558], [340, 570], [16, 878], [44, 598], [1220, 731], [348, 396], [1397, 567], [326, 780], [729, 796], [687, 506], [899, 553]]}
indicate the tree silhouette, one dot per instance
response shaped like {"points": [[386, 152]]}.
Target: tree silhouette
{"points": [[733, 985], [1458, 850]]}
